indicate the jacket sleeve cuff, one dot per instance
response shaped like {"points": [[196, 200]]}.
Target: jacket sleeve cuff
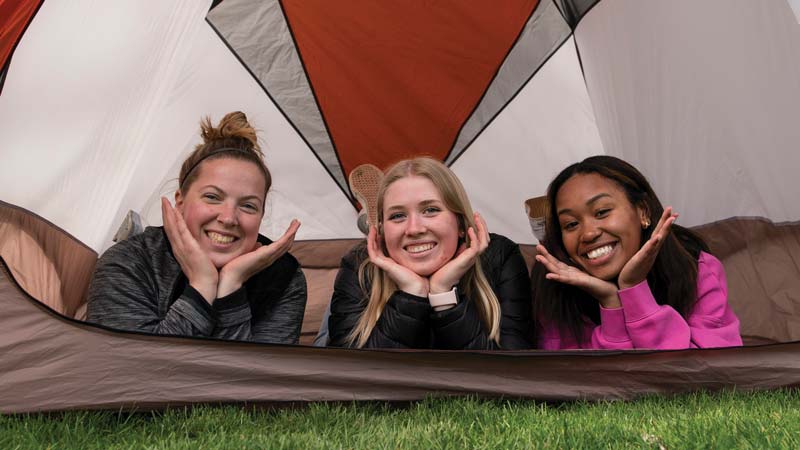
{"points": [[233, 309], [444, 318], [193, 307], [196, 299], [410, 304], [404, 322], [612, 321], [457, 327], [638, 302]]}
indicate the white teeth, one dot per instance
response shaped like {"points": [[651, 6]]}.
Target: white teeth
{"points": [[598, 252], [419, 248], [219, 238]]}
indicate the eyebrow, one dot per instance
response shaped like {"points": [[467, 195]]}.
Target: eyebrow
{"points": [[422, 203], [589, 202], [246, 197]]}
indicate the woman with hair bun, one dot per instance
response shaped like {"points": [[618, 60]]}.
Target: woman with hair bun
{"points": [[430, 275], [615, 271], [207, 272]]}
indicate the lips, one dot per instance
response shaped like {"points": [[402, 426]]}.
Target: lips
{"points": [[419, 248], [597, 253], [220, 238]]}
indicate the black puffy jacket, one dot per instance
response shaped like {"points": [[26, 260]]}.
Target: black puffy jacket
{"points": [[409, 321]]}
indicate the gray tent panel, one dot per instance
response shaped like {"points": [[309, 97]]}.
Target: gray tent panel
{"points": [[258, 33], [574, 10], [543, 34]]}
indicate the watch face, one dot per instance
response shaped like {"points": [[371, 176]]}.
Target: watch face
{"points": [[444, 299]]}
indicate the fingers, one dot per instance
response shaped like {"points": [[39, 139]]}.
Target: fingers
{"points": [[474, 241], [278, 248], [482, 231], [551, 263], [461, 249], [665, 229], [181, 227], [285, 242], [556, 269], [168, 214], [173, 223], [481, 234], [466, 253], [196, 265], [478, 239], [651, 248], [551, 266], [661, 230], [292, 230], [405, 279], [561, 272], [542, 250], [665, 221], [640, 264], [372, 247]]}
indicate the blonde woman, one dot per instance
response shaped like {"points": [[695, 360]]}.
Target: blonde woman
{"points": [[430, 275]]}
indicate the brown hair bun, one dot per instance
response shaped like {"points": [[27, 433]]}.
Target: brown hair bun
{"points": [[234, 137], [234, 127]]}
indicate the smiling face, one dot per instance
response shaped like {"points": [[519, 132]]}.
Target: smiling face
{"points": [[223, 207], [419, 231], [600, 228]]}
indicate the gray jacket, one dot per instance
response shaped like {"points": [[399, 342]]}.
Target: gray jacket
{"points": [[139, 286]]}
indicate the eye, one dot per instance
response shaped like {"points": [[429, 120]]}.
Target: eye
{"points": [[396, 217], [602, 213], [569, 226], [250, 207], [210, 196], [431, 210]]}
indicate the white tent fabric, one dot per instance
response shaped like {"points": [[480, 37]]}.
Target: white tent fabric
{"points": [[548, 126], [266, 45], [102, 104], [795, 4], [542, 36], [703, 97]]}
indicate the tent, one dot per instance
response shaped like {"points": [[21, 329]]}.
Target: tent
{"points": [[100, 104]]}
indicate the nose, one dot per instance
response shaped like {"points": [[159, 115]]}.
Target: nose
{"points": [[590, 233], [415, 225], [226, 215]]}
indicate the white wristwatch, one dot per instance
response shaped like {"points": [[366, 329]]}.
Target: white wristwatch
{"points": [[443, 301]]}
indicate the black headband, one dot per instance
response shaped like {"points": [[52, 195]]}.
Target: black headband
{"points": [[216, 152]]}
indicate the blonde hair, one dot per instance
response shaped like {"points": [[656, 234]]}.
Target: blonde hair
{"points": [[234, 138], [473, 284]]}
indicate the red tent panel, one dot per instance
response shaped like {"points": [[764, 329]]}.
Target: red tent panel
{"points": [[394, 80], [14, 18]]}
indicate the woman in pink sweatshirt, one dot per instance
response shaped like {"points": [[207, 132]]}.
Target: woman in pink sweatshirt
{"points": [[616, 273]]}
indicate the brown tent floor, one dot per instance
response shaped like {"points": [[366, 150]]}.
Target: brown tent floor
{"points": [[52, 362]]}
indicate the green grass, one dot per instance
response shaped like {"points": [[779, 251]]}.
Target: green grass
{"points": [[722, 421]]}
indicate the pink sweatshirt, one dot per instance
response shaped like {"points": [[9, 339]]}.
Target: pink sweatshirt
{"points": [[643, 323]]}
